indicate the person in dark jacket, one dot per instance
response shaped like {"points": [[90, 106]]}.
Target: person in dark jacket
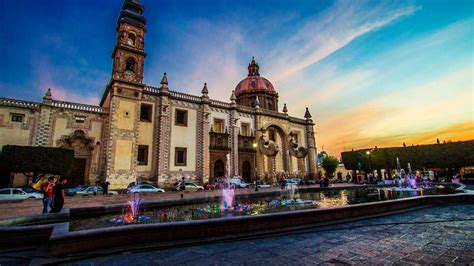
{"points": [[58, 195]]}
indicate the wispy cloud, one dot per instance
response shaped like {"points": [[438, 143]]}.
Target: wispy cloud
{"points": [[47, 76], [215, 49], [326, 33]]}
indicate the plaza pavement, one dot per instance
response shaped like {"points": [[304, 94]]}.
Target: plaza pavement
{"points": [[434, 235], [35, 206]]}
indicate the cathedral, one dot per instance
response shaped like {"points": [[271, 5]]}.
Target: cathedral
{"points": [[156, 134]]}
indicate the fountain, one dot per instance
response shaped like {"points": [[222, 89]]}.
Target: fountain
{"points": [[134, 205], [132, 215], [227, 195], [228, 190]]}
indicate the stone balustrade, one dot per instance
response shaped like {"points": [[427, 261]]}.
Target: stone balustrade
{"points": [[219, 104], [185, 97], [19, 103], [79, 106]]}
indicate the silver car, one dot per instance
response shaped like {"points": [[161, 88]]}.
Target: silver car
{"points": [[18, 194], [144, 188], [98, 190]]}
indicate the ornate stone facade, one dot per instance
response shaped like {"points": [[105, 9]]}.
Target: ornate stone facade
{"points": [[156, 134]]}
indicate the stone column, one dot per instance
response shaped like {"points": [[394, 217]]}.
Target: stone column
{"points": [[311, 144]]}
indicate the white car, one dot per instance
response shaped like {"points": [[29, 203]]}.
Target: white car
{"points": [[189, 187], [144, 188], [261, 184], [90, 191], [238, 183], [18, 193]]}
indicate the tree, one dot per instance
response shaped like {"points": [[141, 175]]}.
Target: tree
{"points": [[35, 162], [330, 165], [453, 155]]}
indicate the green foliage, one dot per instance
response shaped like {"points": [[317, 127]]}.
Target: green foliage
{"points": [[330, 165], [452, 155], [37, 160]]}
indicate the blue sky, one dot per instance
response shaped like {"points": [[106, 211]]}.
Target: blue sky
{"points": [[371, 72]]}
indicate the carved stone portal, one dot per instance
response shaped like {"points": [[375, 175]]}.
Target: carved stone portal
{"points": [[79, 142]]}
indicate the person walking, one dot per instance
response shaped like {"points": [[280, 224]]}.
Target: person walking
{"points": [[58, 195], [182, 187], [105, 188], [326, 181], [47, 188], [282, 181]]}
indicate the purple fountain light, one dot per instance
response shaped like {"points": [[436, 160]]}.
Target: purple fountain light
{"points": [[134, 205], [227, 189]]}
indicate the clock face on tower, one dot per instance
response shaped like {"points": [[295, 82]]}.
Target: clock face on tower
{"points": [[129, 75]]}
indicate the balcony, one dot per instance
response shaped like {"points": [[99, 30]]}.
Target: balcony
{"points": [[219, 141]]}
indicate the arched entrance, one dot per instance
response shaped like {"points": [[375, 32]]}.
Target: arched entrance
{"points": [[83, 147], [273, 164], [246, 171], [219, 169]]}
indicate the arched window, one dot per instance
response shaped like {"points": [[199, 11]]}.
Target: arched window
{"points": [[131, 39], [130, 65]]}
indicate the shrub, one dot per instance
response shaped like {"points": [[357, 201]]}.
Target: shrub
{"points": [[35, 162]]}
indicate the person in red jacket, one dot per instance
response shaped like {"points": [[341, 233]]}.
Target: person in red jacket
{"points": [[47, 188]]}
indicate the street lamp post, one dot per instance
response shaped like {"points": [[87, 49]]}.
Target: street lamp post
{"points": [[370, 167], [255, 164]]}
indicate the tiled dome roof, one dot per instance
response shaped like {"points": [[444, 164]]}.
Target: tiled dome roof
{"points": [[253, 82]]}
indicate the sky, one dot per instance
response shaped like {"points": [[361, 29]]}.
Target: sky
{"points": [[372, 73]]}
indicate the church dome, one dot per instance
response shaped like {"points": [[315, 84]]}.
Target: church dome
{"points": [[253, 82]]}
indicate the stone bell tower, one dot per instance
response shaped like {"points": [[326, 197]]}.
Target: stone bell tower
{"points": [[123, 95], [129, 51]]}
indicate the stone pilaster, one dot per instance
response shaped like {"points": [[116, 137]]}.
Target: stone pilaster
{"points": [[164, 128], [260, 157], [202, 136], [43, 133], [234, 135]]}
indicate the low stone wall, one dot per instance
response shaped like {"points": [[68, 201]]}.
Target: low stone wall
{"points": [[96, 239]]}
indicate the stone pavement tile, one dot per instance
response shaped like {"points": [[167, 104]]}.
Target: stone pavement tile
{"points": [[393, 258], [404, 262], [273, 261], [358, 259], [340, 261]]}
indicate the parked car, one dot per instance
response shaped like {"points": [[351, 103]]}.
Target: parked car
{"points": [[261, 184], [90, 191], [297, 181], [28, 189], [145, 188], [18, 194], [74, 190], [209, 186], [139, 183], [237, 182], [189, 187]]}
